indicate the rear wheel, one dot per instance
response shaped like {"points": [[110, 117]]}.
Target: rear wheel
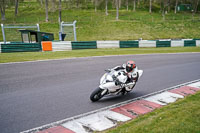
{"points": [[96, 95]]}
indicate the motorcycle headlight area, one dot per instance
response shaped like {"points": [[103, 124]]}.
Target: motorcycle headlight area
{"points": [[106, 77]]}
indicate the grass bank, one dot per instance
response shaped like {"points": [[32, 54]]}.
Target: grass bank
{"points": [[180, 117], [31, 56], [93, 25]]}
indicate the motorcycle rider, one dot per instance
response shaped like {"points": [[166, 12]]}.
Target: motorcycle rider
{"points": [[131, 71]]}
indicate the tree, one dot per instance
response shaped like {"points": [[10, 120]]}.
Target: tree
{"points": [[176, 6], [127, 5], [169, 7], [106, 7], [138, 3], [53, 2], [120, 3], [150, 6], [117, 8], [196, 6], [46, 6], [16, 7], [60, 11], [165, 4], [95, 4], [161, 5], [133, 5], [41, 2], [77, 3], [3, 9]]}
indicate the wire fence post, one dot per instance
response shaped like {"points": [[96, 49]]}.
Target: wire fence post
{"points": [[3, 33], [38, 27], [74, 27], [61, 29]]}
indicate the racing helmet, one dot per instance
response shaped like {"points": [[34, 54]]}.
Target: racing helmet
{"points": [[130, 65]]}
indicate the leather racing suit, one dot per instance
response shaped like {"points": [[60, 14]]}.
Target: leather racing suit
{"points": [[132, 76]]}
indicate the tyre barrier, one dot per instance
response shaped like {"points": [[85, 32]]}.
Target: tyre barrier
{"points": [[20, 47], [68, 45]]}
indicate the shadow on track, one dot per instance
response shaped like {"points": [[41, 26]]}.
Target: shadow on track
{"points": [[120, 98]]}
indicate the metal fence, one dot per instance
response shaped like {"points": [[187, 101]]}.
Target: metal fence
{"points": [[11, 33], [69, 29]]}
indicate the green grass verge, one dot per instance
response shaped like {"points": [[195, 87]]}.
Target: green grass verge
{"points": [[180, 117], [31, 56]]}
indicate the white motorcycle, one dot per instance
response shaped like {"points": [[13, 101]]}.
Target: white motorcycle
{"points": [[112, 83]]}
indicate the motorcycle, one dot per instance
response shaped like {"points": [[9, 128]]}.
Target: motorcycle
{"points": [[112, 83]]}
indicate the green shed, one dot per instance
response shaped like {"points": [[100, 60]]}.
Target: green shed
{"points": [[31, 36], [31, 41], [184, 7]]}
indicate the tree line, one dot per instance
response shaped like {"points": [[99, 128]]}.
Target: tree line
{"points": [[164, 5]]}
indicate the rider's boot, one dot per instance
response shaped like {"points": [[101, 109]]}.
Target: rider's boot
{"points": [[123, 91]]}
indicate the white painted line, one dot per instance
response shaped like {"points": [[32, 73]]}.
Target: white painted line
{"points": [[164, 98], [196, 85]]}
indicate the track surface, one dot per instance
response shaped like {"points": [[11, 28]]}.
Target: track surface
{"points": [[37, 93]]}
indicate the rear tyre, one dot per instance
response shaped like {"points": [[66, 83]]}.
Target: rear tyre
{"points": [[96, 95]]}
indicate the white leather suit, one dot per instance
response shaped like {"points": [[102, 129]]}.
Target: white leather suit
{"points": [[132, 76]]}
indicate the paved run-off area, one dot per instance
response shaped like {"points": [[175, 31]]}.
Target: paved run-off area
{"points": [[37, 93]]}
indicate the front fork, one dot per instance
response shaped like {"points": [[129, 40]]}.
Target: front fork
{"points": [[104, 92]]}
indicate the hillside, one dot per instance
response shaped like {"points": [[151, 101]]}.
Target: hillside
{"points": [[93, 25]]}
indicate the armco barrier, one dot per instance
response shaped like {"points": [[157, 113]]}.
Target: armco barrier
{"points": [[163, 43], [84, 45], [67, 45], [129, 44], [177, 43], [20, 47], [189, 43], [147, 43], [61, 46], [198, 43], [107, 44]]}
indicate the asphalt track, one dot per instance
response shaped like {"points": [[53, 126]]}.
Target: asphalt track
{"points": [[37, 93]]}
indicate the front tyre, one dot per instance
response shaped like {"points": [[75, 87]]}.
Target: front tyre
{"points": [[96, 95]]}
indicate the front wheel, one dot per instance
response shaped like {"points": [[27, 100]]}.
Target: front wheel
{"points": [[96, 95]]}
